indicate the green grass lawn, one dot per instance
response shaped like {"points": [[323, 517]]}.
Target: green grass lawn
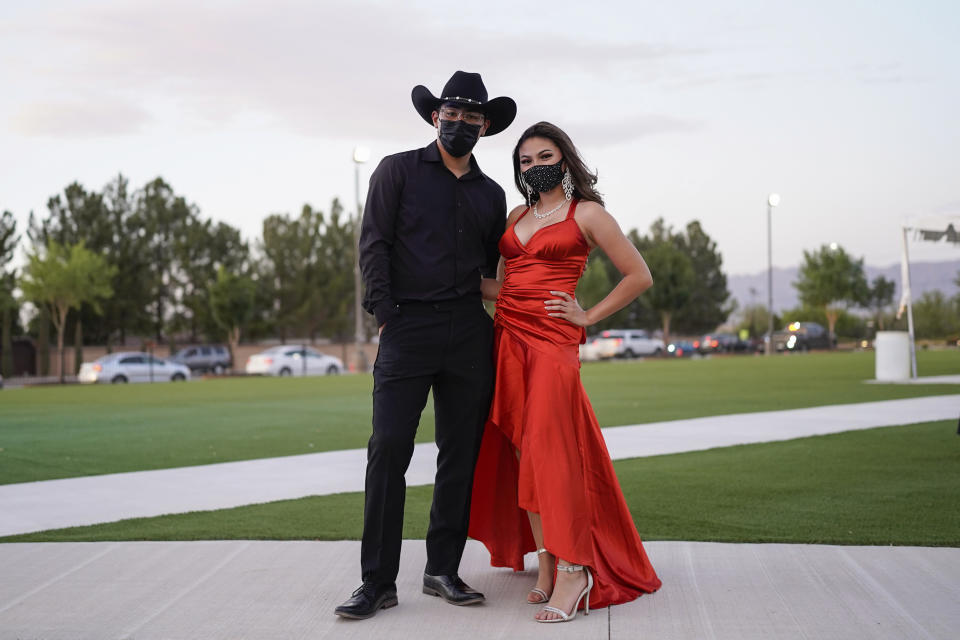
{"points": [[894, 485], [61, 432]]}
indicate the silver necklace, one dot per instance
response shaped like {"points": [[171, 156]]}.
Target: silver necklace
{"points": [[541, 216]]}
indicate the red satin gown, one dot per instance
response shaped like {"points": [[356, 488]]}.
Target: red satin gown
{"points": [[540, 408]]}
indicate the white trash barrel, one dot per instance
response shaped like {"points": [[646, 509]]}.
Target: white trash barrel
{"points": [[893, 355]]}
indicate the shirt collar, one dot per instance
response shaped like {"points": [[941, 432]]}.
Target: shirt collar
{"points": [[431, 153]]}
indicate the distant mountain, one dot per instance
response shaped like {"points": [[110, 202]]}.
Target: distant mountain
{"points": [[924, 276]]}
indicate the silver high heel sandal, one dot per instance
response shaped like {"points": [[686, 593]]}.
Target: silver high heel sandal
{"points": [[536, 590], [564, 616]]}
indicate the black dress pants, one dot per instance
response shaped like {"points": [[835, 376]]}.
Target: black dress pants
{"points": [[446, 347]]}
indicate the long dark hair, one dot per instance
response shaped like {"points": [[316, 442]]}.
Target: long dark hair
{"points": [[583, 179]]}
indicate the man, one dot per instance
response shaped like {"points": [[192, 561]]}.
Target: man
{"points": [[430, 232]]}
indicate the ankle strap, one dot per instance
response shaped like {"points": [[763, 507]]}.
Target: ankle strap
{"points": [[542, 551], [570, 568]]}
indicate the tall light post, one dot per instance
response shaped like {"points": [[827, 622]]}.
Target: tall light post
{"points": [[360, 155], [772, 200]]}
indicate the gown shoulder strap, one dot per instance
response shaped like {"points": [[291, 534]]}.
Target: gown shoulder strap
{"points": [[520, 217], [573, 208]]}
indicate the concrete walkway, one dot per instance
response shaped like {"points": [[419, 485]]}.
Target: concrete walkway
{"points": [[287, 590], [52, 504], [947, 379]]}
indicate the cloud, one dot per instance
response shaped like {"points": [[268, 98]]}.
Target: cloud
{"points": [[78, 119], [629, 128], [331, 69], [888, 73]]}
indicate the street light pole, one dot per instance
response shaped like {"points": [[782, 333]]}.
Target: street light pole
{"points": [[360, 155], [772, 201]]}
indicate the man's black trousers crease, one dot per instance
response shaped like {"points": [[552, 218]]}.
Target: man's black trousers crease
{"points": [[446, 347]]}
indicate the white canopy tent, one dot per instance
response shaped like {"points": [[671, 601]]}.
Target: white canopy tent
{"points": [[938, 228]]}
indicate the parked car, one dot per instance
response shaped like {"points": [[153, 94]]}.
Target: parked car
{"points": [[720, 343], [588, 350], [132, 366], [802, 336], [214, 357], [682, 349], [293, 360], [627, 343]]}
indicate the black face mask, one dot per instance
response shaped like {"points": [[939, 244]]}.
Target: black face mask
{"points": [[458, 137], [544, 177]]}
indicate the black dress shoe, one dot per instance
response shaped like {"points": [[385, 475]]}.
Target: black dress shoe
{"points": [[367, 600], [452, 589]]}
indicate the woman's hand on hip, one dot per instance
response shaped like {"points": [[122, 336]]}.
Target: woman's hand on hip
{"points": [[566, 306]]}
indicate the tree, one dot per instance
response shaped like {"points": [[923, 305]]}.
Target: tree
{"points": [[336, 294], [313, 307], [282, 245], [77, 216], [63, 278], [935, 316], [599, 278], [879, 298], [232, 300], [673, 278], [754, 319], [165, 218], [127, 310], [831, 279], [201, 252], [709, 303], [956, 300], [73, 217], [42, 324], [107, 224], [595, 282], [8, 243], [262, 322], [308, 264]]}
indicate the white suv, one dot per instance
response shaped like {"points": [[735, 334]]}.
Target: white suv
{"points": [[626, 343]]}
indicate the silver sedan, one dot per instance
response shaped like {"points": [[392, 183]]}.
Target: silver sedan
{"points": [[293, 360], [132, 366]]}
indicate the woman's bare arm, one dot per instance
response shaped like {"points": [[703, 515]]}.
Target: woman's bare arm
{"points": [[601, 230]]}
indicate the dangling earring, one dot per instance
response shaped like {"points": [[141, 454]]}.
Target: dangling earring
{"points": [[567, 184], [528, 188]]}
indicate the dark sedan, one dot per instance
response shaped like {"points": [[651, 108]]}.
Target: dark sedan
{"points": [[720, 343], [802, 336]]}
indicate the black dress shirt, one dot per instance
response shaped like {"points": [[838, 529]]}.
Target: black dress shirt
{"points": [[428, 236]]}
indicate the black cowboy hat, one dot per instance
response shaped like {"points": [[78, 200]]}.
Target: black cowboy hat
{"points": [[466, 89]]}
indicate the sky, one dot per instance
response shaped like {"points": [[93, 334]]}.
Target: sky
{"points": [[687, 110]]}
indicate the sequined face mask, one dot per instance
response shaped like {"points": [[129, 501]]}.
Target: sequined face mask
{"points": [[458, 137], [543, 177]]}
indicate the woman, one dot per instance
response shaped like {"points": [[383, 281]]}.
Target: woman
{"points": [[544, 480]]}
